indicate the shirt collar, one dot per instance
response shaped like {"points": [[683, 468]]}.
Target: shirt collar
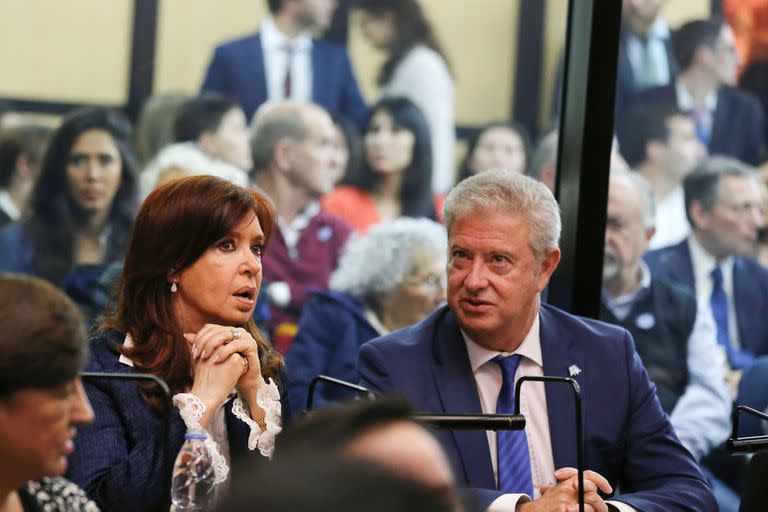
{"points": [[272, 38], [7, 205], [659, 29], [529, 348], [301, 220], [703, 262], [631, 296], [127, 343], [685, 100]]}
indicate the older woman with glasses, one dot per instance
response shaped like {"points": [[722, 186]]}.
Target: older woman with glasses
{"points": [[389, 278]]}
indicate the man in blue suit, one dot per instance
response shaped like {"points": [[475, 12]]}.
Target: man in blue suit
{"points": [[283, 61], [503, 232], [723, 205], [729, 121]]}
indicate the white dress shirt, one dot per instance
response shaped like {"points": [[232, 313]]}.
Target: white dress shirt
{"points": [[674, 226], [275, 47], [703, 263], [8, 206], [533, 405], [656, 41], [701, 417]]}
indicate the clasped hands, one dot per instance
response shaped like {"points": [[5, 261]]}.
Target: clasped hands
{"points": [[564, 497], [224, 358]]}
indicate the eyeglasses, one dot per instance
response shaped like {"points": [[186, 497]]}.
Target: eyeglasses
{"points": [[434, 281]]}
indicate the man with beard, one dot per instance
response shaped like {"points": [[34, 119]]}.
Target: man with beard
{"points": [[675, 339]]}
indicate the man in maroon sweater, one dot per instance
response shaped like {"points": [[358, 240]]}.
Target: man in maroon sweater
{"points": [[296, 162]]}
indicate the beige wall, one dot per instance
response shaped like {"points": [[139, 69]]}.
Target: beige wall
{"points": [[78, 50], [70, 51], [188, 31]]}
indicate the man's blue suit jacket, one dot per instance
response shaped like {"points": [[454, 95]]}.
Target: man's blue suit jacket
{"points": [[738, 125], [627, 437], [237, 70], [750, 290]]}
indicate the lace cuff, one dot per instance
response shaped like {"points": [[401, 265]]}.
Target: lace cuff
{"points": [[268, 398], [191, 409]]}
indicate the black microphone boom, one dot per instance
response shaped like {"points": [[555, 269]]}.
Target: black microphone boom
{"points": [[751, 444]]}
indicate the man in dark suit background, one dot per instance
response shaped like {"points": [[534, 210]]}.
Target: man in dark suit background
{"points": [[283, 61], [724, 208], [503, 246], [728, 121], [645, 58]]}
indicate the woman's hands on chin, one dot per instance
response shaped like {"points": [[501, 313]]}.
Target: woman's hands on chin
{"points": [[216, 345]]}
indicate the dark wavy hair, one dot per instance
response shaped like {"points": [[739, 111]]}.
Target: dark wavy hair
{"points": [[411, 28], [201, 114], [464, 170], [55, 216], [176, 224], [416, 189]]}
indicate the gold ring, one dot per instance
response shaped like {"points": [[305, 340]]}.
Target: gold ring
{"points": [[245, 368]]}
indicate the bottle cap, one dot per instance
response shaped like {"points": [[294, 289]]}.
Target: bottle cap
{"points": [[196, 433]]}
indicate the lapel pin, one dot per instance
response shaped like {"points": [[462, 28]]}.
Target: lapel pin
{"points": [[574, 370]]}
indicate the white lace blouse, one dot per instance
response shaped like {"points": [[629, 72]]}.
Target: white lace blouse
{"points": [[191, 409]]}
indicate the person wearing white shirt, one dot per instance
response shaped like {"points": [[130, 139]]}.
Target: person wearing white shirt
{"points": [[663, 147], [503, 236]]}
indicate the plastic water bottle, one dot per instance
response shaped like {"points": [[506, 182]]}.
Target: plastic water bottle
{"points": [[193, 477]]}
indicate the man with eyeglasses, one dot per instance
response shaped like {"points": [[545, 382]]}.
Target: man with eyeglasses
{"points": [[724, 208]]}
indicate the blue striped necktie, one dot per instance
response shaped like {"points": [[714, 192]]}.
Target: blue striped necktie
{"points": [[513, 461]]}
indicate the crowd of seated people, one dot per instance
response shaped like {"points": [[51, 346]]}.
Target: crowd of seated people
{"points": [[276, 224]]}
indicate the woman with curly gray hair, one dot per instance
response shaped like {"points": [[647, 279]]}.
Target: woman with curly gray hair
{"points": [[389, 278]]}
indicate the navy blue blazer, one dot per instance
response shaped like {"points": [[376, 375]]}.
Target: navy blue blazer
{"points": [[626, 82], [627, 437], [237, 70], [750, 290], [738, 126], [120, 459], [331, 330]]}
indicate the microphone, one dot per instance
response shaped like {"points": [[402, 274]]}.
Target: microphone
{"points": [[440, 421], [750, 444], [336, 382], [579, 427]]}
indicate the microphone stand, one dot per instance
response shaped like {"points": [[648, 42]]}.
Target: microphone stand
{"points": [[750, 444], [164, 389], [336, 382], [579, 428], [441, 421], [480, 421]]}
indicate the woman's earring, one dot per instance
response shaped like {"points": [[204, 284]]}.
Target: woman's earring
{"points": [[174, 287]]}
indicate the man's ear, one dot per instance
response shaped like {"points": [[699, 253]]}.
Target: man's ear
{"points": [[207, 142], [699, 215], [282, 154], [547, 266], [654, 150]]}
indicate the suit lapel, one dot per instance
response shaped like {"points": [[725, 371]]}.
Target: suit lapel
{"points": [[258, 82], [682, 266], [559, 354], [319, 79], [457, 391]]}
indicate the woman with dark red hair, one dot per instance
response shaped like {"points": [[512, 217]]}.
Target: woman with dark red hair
{"points": [[184, 305]]}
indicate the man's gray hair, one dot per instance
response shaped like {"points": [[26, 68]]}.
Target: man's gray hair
{"points": [[272, 123], [643, 188], [507, 192], [703, 184], [378, 261]]}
